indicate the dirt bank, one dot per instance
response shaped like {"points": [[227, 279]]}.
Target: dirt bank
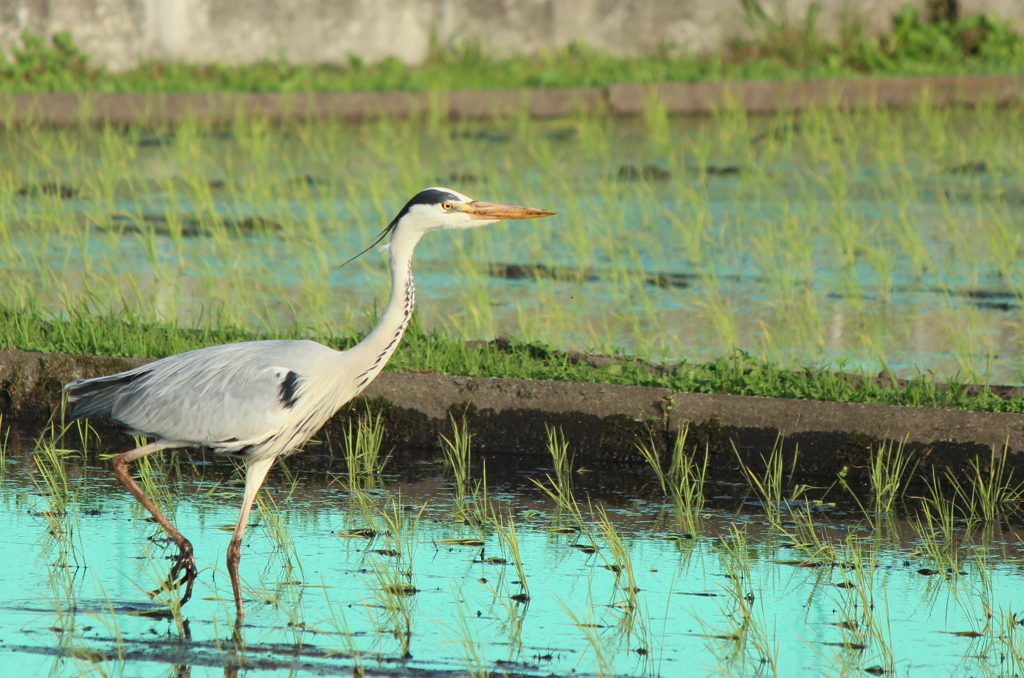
{"points": [[60, 109], [603, 422]]}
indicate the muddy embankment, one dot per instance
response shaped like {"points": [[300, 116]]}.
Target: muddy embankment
{"points": [[602, 422]]}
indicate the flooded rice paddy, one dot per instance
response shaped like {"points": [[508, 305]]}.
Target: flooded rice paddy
{"points": [[414, 573], [865, 239]]}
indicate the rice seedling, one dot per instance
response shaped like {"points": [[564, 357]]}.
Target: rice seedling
{"points": [[61, 511], [63, 549], [83, 658], [768, 488], [992, 490], [474, 511], [363, 460], [456, 458], [471, 503], [891, 470], [936, 526], [808, 537], [683, 482], [282, 581], [863, 623], [393, 579], [561, 460], [656, 120], [565, 506], [49, 461], [339, 622], [590, 626], [465, 631], [974, 595], [361, 512], [510, 611], [505, 529], [630, 610], [719, 311], [560, 488], [106, 616], [650, 455], [846, 657], [1009, 643], [743, 645]]}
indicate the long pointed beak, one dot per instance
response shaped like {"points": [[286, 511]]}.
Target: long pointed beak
{"points": [[494, 211]]}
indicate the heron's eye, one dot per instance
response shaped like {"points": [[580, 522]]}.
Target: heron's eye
{"points": [[447, 206]]}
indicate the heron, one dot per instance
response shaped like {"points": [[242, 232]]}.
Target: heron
{"points": [[258, 400]]}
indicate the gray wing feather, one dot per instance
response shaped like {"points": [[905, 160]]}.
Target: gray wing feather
{"points": [[234, 393]]}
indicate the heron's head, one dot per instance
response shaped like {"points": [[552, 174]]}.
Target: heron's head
{"points": [[434, 208]]}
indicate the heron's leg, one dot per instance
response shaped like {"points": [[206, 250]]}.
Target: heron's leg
{"points": [[185, 564], [255, 472]]}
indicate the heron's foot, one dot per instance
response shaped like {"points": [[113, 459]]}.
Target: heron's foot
{"points": [[182, 572]]}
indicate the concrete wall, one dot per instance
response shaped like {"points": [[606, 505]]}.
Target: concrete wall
{"points": [[120, 33]]}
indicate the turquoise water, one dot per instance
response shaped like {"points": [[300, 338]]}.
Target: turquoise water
{"points": [[73, 601]]}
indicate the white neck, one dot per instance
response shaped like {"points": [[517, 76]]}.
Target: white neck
{"points": [[376, 348]]}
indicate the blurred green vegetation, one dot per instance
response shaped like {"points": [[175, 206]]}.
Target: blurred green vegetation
{"points": [[976, 44]]}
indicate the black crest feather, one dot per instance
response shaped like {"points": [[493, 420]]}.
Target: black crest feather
{"points": [[429, 196]]}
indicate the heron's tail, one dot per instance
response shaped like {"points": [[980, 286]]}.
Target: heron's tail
{"points": [[97, 397]]}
